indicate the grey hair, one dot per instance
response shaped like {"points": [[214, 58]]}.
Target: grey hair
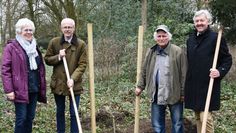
{"points": [[66, 20], [169, 35], [21, 23], [203, 12]]}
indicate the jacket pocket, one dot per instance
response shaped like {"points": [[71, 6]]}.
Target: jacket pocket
{"points": [[19, 90], [17, 83]]}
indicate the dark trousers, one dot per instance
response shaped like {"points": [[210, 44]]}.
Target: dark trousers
{"points": [[25, 114], [60, 115]]}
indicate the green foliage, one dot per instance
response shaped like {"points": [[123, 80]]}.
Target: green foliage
{"points": [[225, 13], [43, 42], [115, 25], [129, 60], [6, 114], [225, 121], [180, 31], [117, 18], [177, 15]]}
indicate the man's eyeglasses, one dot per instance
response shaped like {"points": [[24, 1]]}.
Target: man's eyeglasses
{"points": [[67, 27]]}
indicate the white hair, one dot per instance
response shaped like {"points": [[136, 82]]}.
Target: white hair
{"points": [[66, 20], [169, 35], [203, 12], [23, 22]]}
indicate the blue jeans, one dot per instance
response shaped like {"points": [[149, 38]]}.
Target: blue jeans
{"points": [[25, 113], [158, 114], [60, 115]]}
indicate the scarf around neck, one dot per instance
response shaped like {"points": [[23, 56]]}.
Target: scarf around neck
{"points": [[30, 49]]}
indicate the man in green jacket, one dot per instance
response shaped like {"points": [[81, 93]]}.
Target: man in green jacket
{"points": [[74, 50], [163, 74]]}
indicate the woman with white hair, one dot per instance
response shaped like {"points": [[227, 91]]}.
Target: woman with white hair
{"points": [[23, 75], [163, 74]]}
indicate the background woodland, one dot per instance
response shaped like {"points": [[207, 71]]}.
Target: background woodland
{"points": [[115, 30]]}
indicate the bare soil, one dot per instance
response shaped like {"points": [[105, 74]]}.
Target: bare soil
{"points": [[116, 123]]}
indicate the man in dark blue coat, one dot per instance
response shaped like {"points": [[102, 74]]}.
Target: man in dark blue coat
{"points": [[200, 54]]}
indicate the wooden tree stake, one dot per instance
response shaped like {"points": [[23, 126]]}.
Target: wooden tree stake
{"points": [[91, 77], [139, 63]]}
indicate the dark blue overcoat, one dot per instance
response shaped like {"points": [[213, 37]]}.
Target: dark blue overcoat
{"points": [[200, 55]]}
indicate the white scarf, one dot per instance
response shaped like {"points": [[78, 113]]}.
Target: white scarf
{"points": [[30, 49]]}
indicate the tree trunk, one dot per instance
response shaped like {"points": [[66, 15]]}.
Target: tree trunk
{"points": [[31, 10], [8, 21]]}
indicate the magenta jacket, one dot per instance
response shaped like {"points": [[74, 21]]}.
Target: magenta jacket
{"points": [[15, 73]]}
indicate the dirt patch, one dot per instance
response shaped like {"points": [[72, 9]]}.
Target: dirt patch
{"points": [[108, 122], [146, 127]]}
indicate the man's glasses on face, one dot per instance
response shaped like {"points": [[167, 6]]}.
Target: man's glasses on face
{"points": [[67, 27]]}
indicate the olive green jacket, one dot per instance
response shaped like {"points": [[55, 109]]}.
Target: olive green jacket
{"points": [[178, 68], [76, 56]]}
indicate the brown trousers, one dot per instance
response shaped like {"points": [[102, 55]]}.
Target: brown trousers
{"points": [[209, 124]]}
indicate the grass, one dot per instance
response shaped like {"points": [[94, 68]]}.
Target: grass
{"points": [[113, 96]]}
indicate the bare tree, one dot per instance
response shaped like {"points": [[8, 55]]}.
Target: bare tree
{"points": [[12, 10], [55, 9], [31, 9]]}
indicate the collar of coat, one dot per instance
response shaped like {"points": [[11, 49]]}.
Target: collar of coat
{"points": [[74, 40], [166, 50], [202, 34]]}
